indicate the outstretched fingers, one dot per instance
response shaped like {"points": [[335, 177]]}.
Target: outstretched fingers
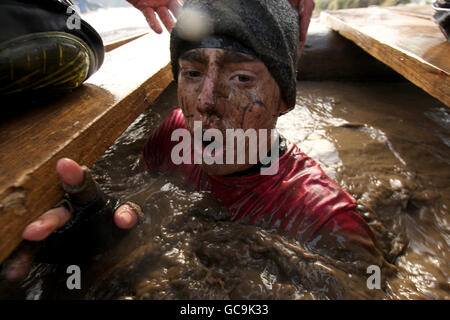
{"points": [[125, 217], [18, 265], [306, 8], [151, 8], [165, 17], [70, 172], [174, 7], [49, 222], [150, 15]]}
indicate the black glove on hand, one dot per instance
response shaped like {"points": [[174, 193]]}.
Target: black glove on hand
{"points": [[90, 231]]}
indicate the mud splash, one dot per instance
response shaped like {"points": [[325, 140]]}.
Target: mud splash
{"points": [[387, 144]]}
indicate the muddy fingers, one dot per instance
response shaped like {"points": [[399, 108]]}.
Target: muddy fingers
{"points": [[97, 222], [18, 265]]}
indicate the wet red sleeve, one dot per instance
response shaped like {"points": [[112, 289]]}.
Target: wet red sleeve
{"points": [[157, 150], [352, 227]]}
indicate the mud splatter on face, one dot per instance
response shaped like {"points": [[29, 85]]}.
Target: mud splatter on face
{"points": [[225, 90]]}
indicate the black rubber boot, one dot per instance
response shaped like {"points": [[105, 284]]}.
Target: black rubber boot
{"points": [[45, 44]]}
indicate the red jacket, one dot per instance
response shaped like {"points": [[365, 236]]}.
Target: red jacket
{"points": [[300, 199]]}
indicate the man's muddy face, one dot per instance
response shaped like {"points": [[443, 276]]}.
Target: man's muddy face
{"points": [[228, 90]]}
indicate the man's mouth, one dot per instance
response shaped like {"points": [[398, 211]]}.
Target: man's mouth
{"points": [[213, 151], [206, 143], [218, 147]]}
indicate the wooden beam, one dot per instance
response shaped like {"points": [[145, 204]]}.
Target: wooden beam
{"points": [[409, 43], [109, 46], [81, 125]]}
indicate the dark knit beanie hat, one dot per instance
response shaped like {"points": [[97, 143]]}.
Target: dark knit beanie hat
{"points": [[268, 29]]}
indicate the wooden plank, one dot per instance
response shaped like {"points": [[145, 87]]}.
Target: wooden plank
{"points": [[329, 56], [419, 11], [109, 46], [411, 45], [80, 125]]}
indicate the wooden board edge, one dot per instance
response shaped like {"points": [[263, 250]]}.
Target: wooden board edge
{"points": [[438, 86], [22, 203], [116, 44]]}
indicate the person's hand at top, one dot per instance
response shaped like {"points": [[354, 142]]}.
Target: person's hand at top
{"points": [[305, 9], [160, 7]]}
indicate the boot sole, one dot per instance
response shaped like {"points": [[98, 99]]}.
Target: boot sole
{"points": [[44, 60]]}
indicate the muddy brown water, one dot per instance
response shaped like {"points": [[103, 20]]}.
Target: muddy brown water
{"points": [[388, 144]]}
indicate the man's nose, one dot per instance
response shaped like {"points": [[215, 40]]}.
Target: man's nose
{"points": [[207, 100]]}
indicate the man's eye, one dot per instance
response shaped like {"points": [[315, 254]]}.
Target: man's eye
{"points": [[242, 78], [192, 74]]}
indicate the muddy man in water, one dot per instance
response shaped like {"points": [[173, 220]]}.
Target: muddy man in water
{"points": [[235, 63]]}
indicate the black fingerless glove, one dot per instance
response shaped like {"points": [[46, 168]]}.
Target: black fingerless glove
{"points": [[90, 231]]}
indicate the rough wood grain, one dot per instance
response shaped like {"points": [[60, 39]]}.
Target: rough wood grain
{"points": [[411, 45], [80, 125]]}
